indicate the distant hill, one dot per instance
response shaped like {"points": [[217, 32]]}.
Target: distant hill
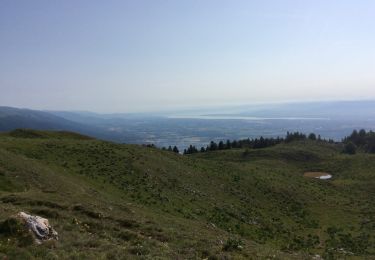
{"points": [[101, 126], [350, 110], [12, 118]]}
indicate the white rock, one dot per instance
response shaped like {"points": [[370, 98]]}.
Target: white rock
{"points": [[39, 226], [325, 177]]}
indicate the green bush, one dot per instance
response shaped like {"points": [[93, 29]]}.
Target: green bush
{"points": [[350, 148], [14, 230], [233, 244]]}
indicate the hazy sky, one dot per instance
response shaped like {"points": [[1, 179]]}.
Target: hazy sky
{"points": [[126, 56]]}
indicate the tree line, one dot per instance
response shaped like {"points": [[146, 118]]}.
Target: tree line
{"points": [[170, 149], [362, 140], [256, 143]]}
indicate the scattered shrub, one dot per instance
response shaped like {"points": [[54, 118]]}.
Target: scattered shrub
{"points": [[13, 228], [350, 148], [233, 244]]}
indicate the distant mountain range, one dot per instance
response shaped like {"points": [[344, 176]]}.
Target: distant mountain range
{"points": [[199, 126], [332, 110], [118, 128], [364, 109], [12, 118]]}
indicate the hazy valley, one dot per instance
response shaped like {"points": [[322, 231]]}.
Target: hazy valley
{"points": [[331, 120]]}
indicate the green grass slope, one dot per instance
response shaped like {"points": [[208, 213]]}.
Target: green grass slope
{"points": [[117, 201]]}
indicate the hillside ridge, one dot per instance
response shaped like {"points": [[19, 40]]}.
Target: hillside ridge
{"points": [[116, 200]]}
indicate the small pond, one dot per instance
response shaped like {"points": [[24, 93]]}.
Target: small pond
{"points": [[318, 175]]}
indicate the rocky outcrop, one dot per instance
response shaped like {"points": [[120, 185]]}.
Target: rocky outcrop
{"points": [[39, 227]]}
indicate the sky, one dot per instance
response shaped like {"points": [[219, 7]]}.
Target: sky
{"points": [[139, 56]]}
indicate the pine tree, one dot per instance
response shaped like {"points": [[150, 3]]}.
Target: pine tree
{"points": [[228, 145], [213, 146], [312, 136]]}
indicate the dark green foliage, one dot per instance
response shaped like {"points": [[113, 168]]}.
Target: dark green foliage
{"points": [[175, 149], [221, 145], [213, 146], [233, 244], [257, 143], [362, 139], [345, 241], [302, 243], [191, 149], [350, 148], [228, 145], [13, 228], [368, 142], [245, 143], [246, 152], [296, 136], [312, 137]]}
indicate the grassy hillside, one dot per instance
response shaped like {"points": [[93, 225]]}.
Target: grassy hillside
{"points": [[109, 200]]}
